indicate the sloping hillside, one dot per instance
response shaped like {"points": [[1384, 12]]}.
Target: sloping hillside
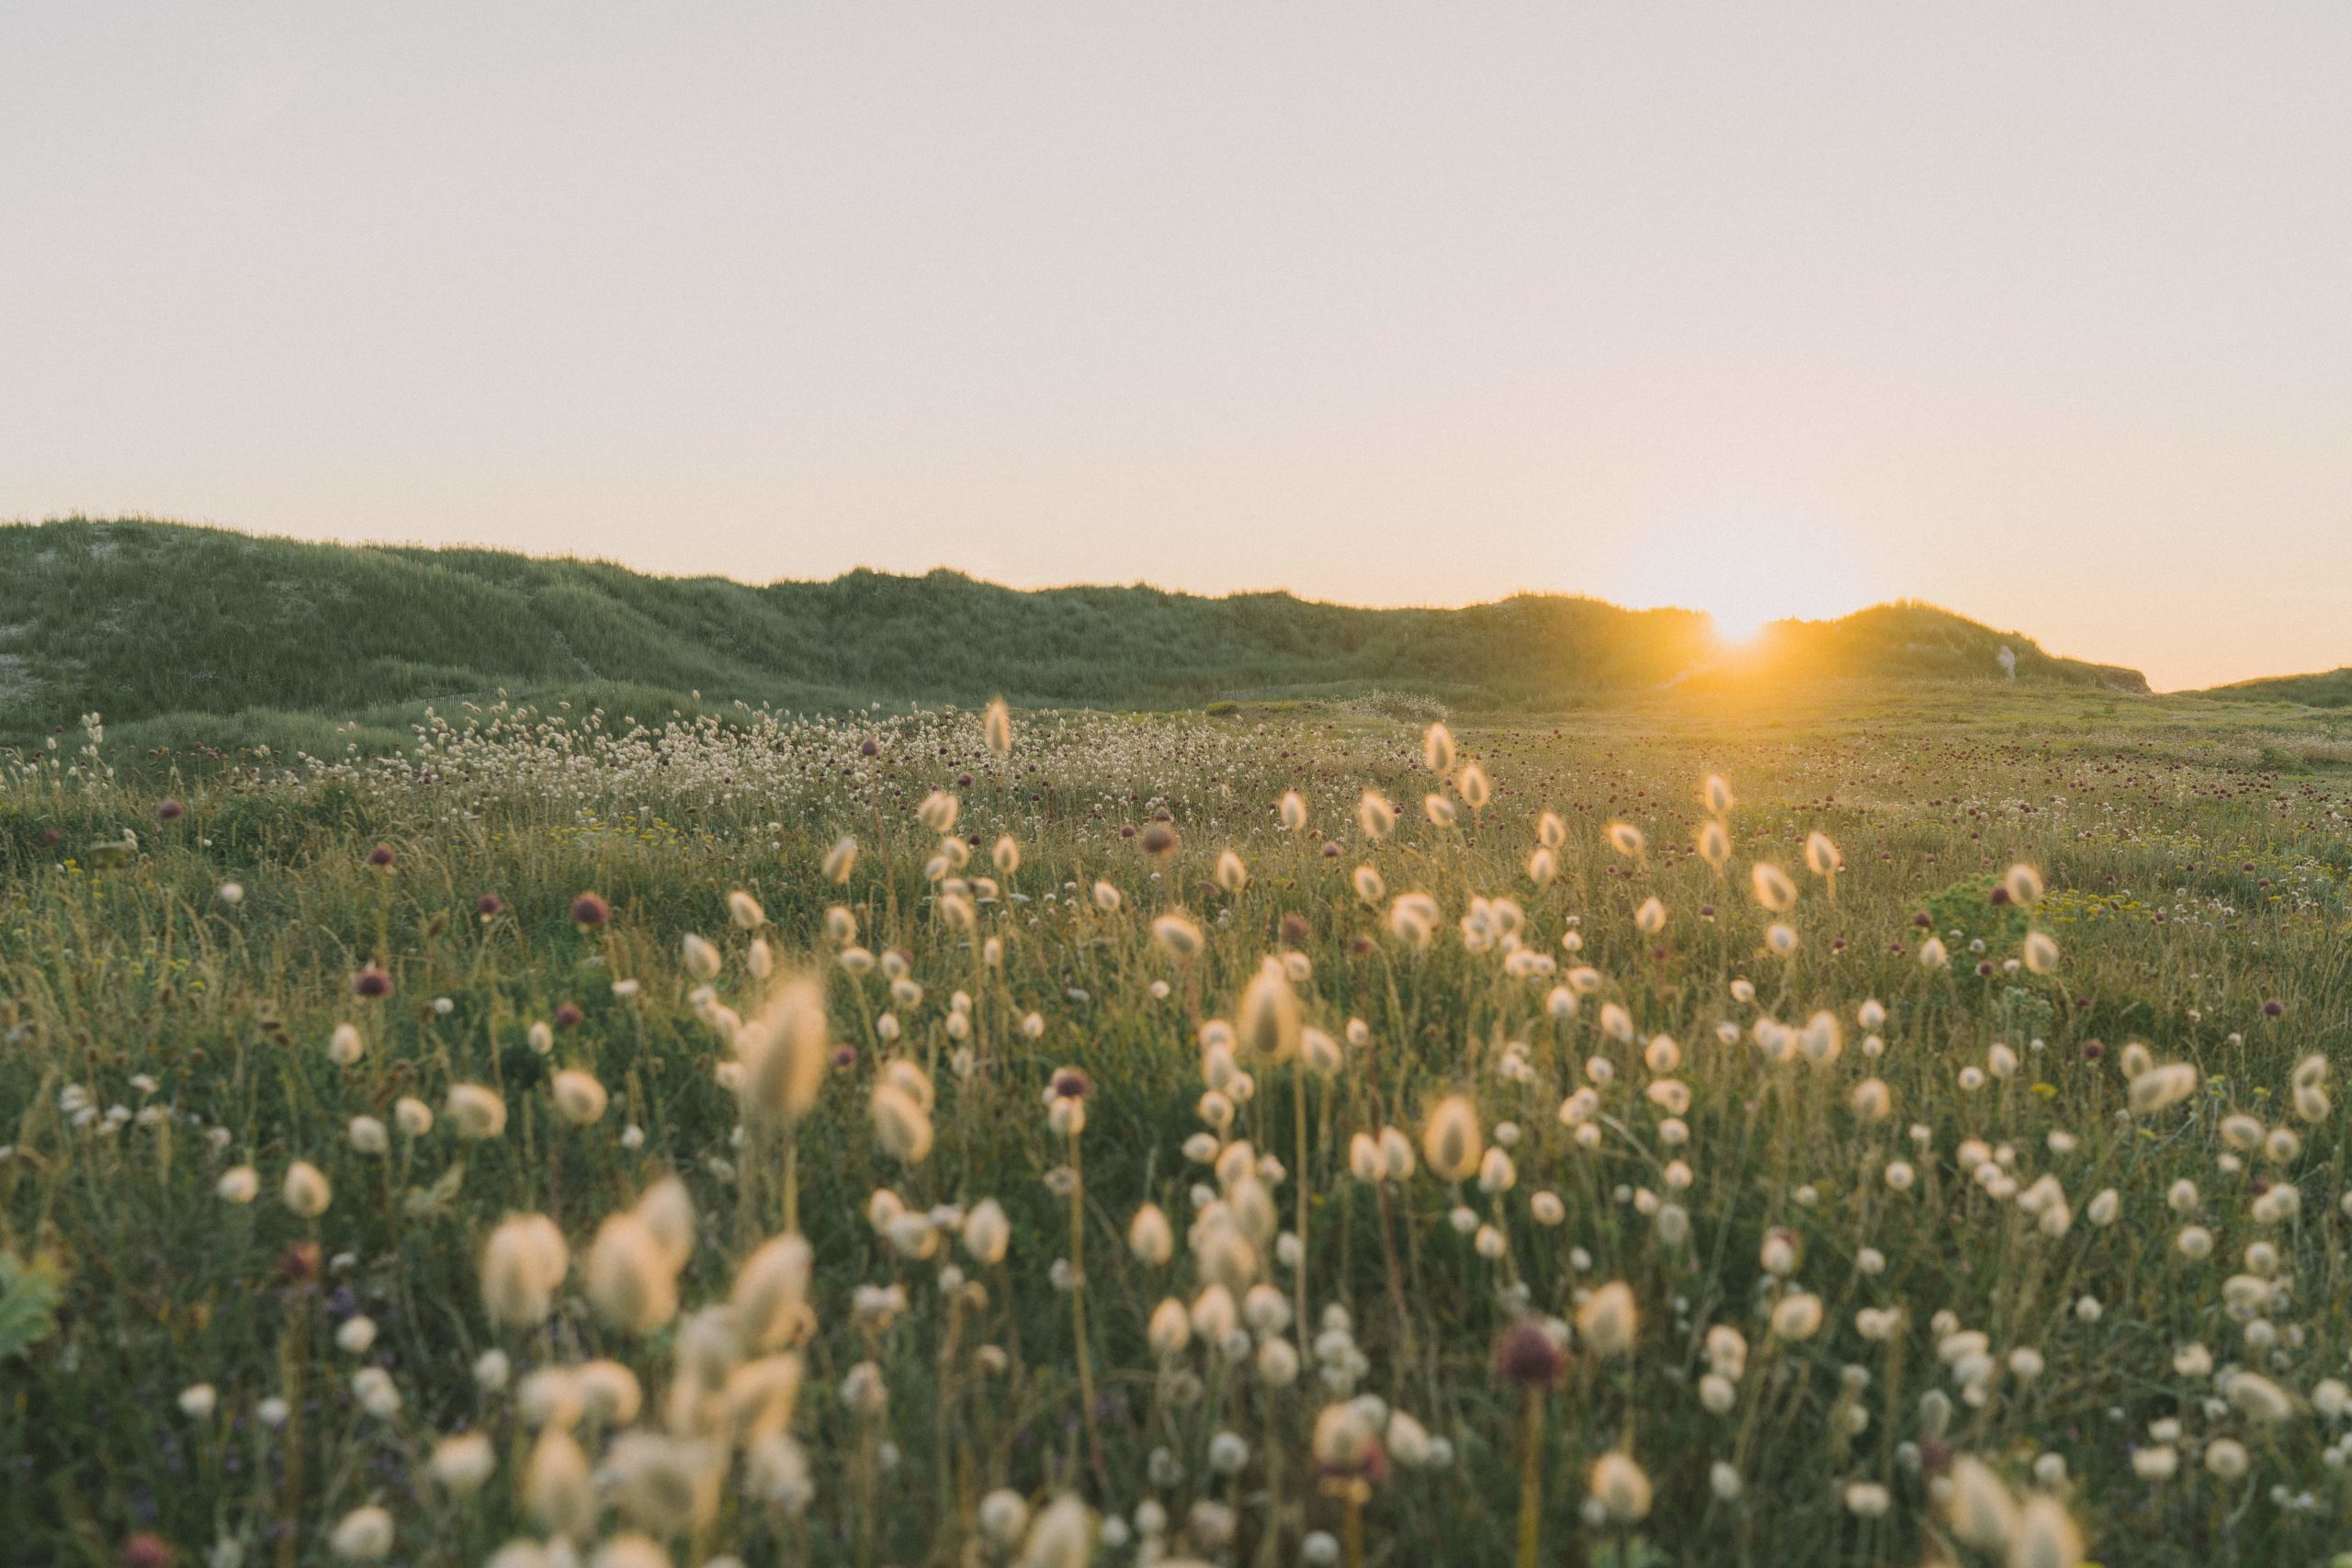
{"points": [[2329, 689], [137, 619], [1911, 639]]}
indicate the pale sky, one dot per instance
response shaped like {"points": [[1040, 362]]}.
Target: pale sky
{"points": [[2043, 312]]}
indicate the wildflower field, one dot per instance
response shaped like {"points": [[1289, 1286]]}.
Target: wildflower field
{"points": [[1643, 1137]]}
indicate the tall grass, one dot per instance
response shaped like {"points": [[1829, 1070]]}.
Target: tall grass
{"points": [[1462, 1388]]}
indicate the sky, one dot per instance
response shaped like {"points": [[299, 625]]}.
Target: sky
{"points": [[2040, 313]]}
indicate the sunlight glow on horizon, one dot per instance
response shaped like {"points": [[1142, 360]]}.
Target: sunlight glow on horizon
{"points": [[1746, 566]]}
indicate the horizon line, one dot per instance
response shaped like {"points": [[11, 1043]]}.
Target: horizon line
{"points": [[1139, 584]]}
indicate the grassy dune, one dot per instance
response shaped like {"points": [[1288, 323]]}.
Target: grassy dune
{"points": [[203, 636], [2331, 689]]}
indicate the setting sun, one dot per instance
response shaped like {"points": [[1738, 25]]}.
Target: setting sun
{"points": [[1747, 566]]}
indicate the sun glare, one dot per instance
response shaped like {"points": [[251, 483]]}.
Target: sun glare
{"points": [[1739, 614], [1745, 567]]}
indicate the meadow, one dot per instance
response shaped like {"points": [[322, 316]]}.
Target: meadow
{"points": [[1873, 1131]]}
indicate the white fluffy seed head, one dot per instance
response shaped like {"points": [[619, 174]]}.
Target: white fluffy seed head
{"points": [[463, 1463], [1796, 1317], [363, 1535], [2045, 1536], [558, 1493], [770, 1295], [1178, 936], [476, 1112], [938, 811], [668, 1211], [1437, 749], [1620, 1487], [1062, 1536], [2159, 1088], [1451, 1141], [629, 1280], [902, 1129], [306, 1190], [1608, 1322], [1267, 1021], [1771, 887], [578, 1097], [1821, 856], [841, 860], [1151, 1237], [523, 1264], [784, 1050], [697, 957]]}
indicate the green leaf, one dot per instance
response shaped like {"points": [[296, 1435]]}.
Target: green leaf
{"points": [[29, 1298], [422, 1204]]}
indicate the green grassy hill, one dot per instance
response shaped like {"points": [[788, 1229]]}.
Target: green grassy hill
{"points": [[1911, 638], [2330, 689], [211, 635]]}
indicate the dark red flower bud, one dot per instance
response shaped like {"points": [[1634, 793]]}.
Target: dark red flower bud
{"points": [[1528, 1357], [148, 1550]]}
